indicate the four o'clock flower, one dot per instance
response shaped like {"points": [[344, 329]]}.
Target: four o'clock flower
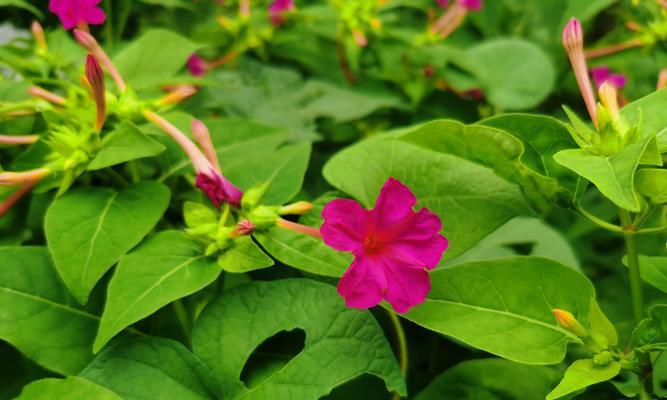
{"points": [[662, 79], [80, 13], [210, 180], [573, 41], [278, 9], [603, 74], [196, 65], [393, 247], [450, 21]]}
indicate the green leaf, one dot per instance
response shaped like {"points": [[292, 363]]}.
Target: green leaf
{"points": [[166, 267], [582, 374], [648, 110], [653, 270], [244, 256], [283, 169], [492, 379], [514, 74], [71, 388], [486, 305], [169, 3], [304, 252], [154, 58], [613, 175], [91, 228], [38, 317], [124, 144], [341, 343], [24, 5], [600, 328], [651, 333], [541, 240], [151, 368], [463, 194], [652, 183]]}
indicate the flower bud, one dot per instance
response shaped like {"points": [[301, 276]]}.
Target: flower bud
{"points": [[16, 178], [38, 34], [662, 79], [243, 228], [360, 38], [298, 228], [609, 98], [95, 77], [177, 95], [203, 138], [298, 208], [14, 140], [264, 217], [567, 321], [88, 42], [44, 94], [573, 41]]}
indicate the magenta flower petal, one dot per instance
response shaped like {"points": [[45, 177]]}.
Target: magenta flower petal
{"points": [[74, 12], [442, 3], [471, 5], [393, 246], [603, 74], [344, 225], [363, 284], [196, 65], [394, 203], [218, 189], [406, 287]]}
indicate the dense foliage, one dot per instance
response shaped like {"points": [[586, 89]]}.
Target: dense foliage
{"points": [[339, 199]]}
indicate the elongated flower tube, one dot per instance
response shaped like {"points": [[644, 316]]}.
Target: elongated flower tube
{"points": [[662, 79], [14, 198], [203, 137], [9, 178], [14, 140], [77, 12], [452, 19], [89, 43], [573, 41], [566, 320], [36, 91], [298, 208], [38, 34], [218, 189], [394, 247], [298, 228], [95, 77]]}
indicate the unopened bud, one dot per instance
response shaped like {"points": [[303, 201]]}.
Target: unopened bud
{"points": [[44, 94], [16, 178], [95, 77], [178, 95], [264, 217], [573, 41], [38, 34], [298, 228], [360, 38], [567, 321], [89, 43], [609, 98], [298, 208], [203, 138], [573, 35], [243, 228], [662, 79]]}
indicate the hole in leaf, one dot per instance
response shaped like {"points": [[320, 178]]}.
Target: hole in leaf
{"points": [[272, 355], [524, 249], [363, 387]]}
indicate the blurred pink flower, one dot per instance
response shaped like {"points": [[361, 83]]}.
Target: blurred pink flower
{"points": [[442, 3], [393, 248], [471, 5], [278, 8], [74, 12], [196, 65], [603, 74]]}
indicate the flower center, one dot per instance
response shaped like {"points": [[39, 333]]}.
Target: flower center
{"points": [[371, 244]]}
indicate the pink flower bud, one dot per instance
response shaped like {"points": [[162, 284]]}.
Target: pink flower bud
{"points": [[38, 34], [88, 42], [44, 94], [177, 95], [203, 138], [196, 65], [573, 41], [566, 320], [17, 178], [360, 38], [471, 5], [662, 79], [243, 228], [298, 228], [278, 9], [95, 77], [12, 140], [298, 208]]}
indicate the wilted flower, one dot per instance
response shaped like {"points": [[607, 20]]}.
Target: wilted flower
{"points": [[393, 248], [77, 12], [603, 74], [218, 189]]}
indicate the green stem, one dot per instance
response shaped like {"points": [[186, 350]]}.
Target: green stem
{"points": [[633, 265], [108, 27], [183, 319], [402, 347], [642, 390], [134, 171], [599, 222]]}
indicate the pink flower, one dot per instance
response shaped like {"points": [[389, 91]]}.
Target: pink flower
{"points": [[471, 5], [196, 65], [74, 12], [278, 8], [442, 3], [603, 74], [393, 248]]}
